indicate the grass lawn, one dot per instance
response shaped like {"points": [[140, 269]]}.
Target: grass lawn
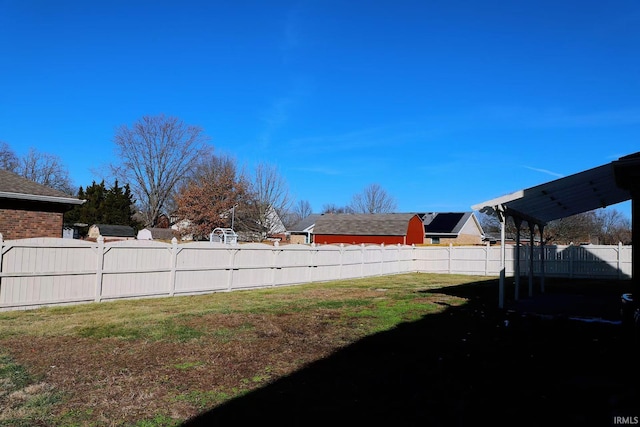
{"points": [[414, 349]]}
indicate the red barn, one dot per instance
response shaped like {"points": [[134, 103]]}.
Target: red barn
{"points": [[390, 229]]}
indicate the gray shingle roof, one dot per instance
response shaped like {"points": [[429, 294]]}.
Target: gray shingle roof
{"points": [[306, 222], [162, 233], [108, 230], [395, 224], [13, 186]]}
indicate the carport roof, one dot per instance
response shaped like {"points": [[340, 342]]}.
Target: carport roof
{"points": [[581, 192]]}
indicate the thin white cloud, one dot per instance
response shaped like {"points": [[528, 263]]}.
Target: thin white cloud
{"points": [[343, 142], [518, 117], [277, 115], [545, 171], [436, 127], [291, 38], [361, 140], [321, 171], [595, 119], [274, 118]]}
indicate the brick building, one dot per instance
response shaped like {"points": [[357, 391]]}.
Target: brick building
{"points": [[29, 209]]}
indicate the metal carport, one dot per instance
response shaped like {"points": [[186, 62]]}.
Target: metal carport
{"points": [[602, 186]]}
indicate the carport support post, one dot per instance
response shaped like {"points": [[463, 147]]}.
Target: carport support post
{"points": [[518, 222], [627, 174], [541, 230], [503, 220], [635, 238], [532, 227]]}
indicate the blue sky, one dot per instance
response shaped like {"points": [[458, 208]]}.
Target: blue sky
{"points": [[444, 104]]}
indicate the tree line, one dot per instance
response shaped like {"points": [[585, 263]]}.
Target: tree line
{"points": [[601, 226], [169, 168], [44, 168]]}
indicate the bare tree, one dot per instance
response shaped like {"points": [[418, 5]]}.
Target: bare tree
{"points": [[43, 168], [8, 158], [374, 199], [607, 226], [614, 227], [269, 201], [577, 228], [303, 209], [490, 223], [46, 169], [332, 208], [155, 154], [299, 211]]}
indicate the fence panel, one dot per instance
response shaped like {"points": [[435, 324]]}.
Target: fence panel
{"points": [[291, 264], [468, 260], [588, 261], [373, 260], [136, 268], [328, 263], [391, 260], [351, 263], [435, 259], [204, 267], [46, 271]]}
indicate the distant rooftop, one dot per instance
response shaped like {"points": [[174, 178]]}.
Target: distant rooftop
{"points": [[13, 186], [394, 224]]}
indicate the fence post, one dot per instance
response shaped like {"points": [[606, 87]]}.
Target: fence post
{"points": [[414, 258], [381, 259], [450, 256], [571, 254], [174, 264], [232, 266], [362, 258], [341, 261], [619, 263], [1, 253], [414, 261], [486, 258], [274, 263], [99, 268], [311, 259]]}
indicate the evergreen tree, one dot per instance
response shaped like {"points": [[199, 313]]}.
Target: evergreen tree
{"points": [[113, 206]]}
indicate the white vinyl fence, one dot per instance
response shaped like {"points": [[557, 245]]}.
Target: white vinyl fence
{"points": [[47, 271], [590, 261]]}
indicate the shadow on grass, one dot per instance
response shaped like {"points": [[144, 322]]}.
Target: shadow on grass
{"points": [[468, 365]]}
